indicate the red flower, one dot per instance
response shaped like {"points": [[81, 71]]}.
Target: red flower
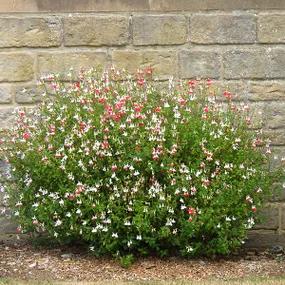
{"points": [[52, 129], [105, 144], [26, 136], [114, 168], [148, 70], [206, 109], [192, 83], [141, 81], [71, 197], [191, 211], [228, 95], [182, 101], [137, 108], [101, 100], [82, 126]]}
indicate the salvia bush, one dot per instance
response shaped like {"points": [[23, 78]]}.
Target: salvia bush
{"points": [[134, 168]]}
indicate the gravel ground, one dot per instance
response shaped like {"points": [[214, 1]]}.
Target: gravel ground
{"points": [[23, 261]]}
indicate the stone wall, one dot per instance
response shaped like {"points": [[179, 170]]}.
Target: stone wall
{"points": [[241, 44]]}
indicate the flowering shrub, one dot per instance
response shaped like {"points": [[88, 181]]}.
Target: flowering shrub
{"points": [[129, 168]]}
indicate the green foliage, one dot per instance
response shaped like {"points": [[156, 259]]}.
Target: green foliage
{"points": [[130, 168], [127, 260]]}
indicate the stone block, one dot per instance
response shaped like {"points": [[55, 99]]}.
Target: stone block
{"points": [[276, 65], [275, 115], [7, 118], [164, 63], [90, 5], [16, 67], [159, 30], [277, 136], [96, 30], [283, 217], [277, 157], [245, 64], [61, 62], [266, 91], [257, 115], [30, 32], [269, 218], [271, 28], [222, 29], [264, 239], [5, 94], [201, 64], [26, 93], [236, 88], [257, 63], [7, 226], [194, 5]]}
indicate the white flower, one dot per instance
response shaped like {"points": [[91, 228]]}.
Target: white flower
{"points": [[183, 207], [114, 235], [129, 243], [139, 237], [259, 190], [70, 176], [250, 223], [189, 248], [58, 223], [170, 222], [127, 223]]}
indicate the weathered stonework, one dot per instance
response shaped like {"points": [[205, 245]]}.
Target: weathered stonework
{"points": [[249, 63], [277, 136], [271, 28], [96, 31], [199, 64], [275, 118], [222, 29], [16, 67], [6, 117], [237, 43], [270, 216], [5, 94], [63, 61], [266, 91], [30, 32], [26, 93], [163, 62], [159, 30]]}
